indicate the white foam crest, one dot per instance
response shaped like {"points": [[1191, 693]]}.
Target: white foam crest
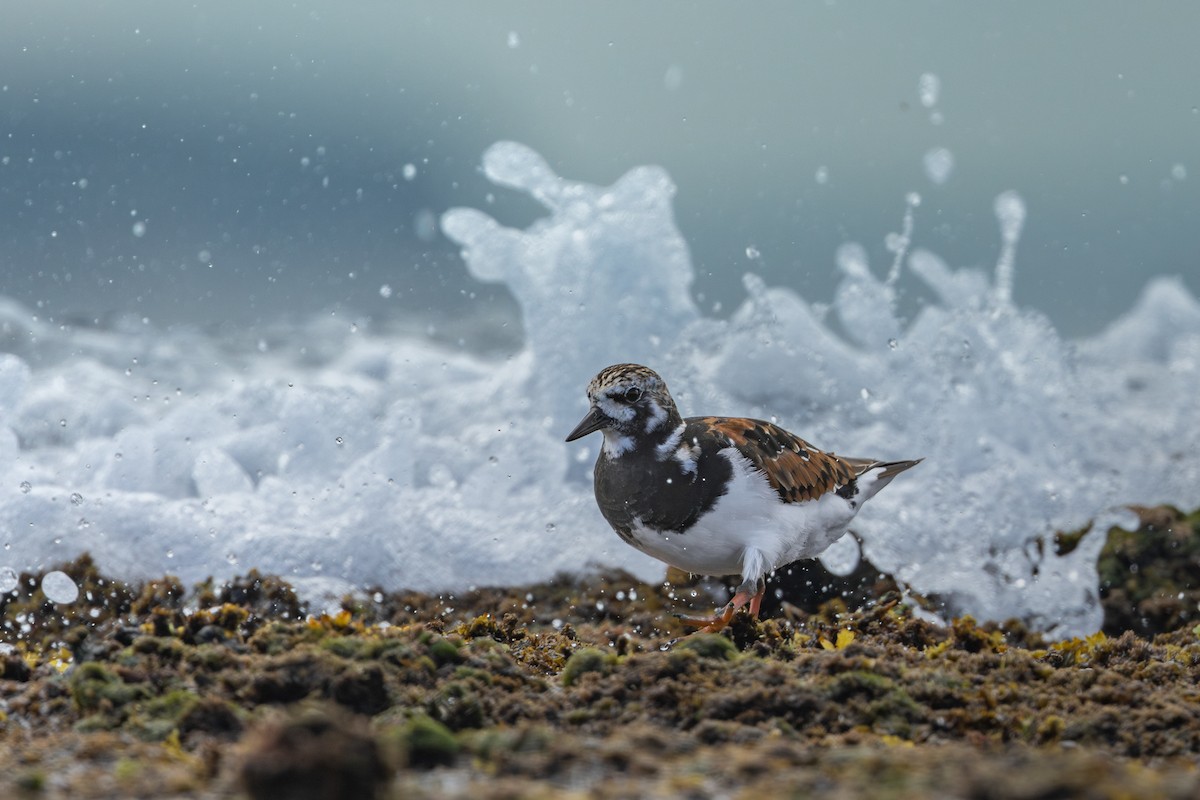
{"points": [[604, 278]]}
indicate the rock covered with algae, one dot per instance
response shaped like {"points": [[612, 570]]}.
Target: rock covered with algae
{"points": [[583, 685]]}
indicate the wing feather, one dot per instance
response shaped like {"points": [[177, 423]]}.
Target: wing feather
{"points": [[794, 468]]}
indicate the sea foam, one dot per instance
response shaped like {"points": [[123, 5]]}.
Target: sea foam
{"points": [[342, 456]]}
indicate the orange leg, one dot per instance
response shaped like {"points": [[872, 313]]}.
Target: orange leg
{"points": [[747, 594]]}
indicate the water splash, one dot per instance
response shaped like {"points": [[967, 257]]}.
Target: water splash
{"points": [[1016, 430], [451, 469]]}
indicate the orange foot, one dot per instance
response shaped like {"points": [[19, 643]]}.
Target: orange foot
{"points": [[722, 618]]}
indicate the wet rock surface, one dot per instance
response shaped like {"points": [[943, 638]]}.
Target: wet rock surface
{"points": [[589, 687]]}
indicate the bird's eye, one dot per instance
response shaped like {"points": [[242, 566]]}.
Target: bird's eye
{"points": [[632, 395]]}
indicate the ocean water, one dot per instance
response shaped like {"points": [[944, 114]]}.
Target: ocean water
{"points": [[342, 455]]}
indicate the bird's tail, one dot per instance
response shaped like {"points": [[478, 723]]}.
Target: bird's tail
{"points": [[874, 475]]}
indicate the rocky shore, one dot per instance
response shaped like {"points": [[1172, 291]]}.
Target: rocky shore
{"points": [[588, 687]]}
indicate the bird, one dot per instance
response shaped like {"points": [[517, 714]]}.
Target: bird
{"points": [[717, 495]]}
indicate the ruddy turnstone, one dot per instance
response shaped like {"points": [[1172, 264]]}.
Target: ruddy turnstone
{"points": [[717, 495]]}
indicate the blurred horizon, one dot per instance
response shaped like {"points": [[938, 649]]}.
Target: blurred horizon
{"points": [[233, 164]]}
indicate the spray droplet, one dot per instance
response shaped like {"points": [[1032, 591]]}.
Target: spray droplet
{"points": [[76, 499], [59, 588], [752, 253], [929, 86], [26, 487], [8, 580], [939, 163]]}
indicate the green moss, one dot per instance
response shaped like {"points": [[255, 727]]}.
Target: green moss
{"points": [[211, 657], [126, 770], [457, 706], [710, 645], [585, 660], [95, 687], [355, 647], [167, 648], [149, 729], [424, 742], [859, 682], [465, 673], [444, 651], [32, 781]]}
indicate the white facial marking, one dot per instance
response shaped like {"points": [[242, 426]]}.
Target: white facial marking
{"points": [[658, 416], [614, 410], [663, 451], [616, 444]]}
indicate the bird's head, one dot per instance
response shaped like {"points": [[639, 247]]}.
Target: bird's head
{"points": [[629, 404]]}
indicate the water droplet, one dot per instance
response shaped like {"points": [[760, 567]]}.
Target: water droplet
{"points": [[76, 499], [514, 40], [139, 229], [8, 580], [752, 253], [26, 487], [929, 86], [1010, 211], [939, 163], [673, 79], [385, 291], [893, 344], [822, 175], [339, 441], [62, 423], [59, 588], [1178, 172], [409, 171]]}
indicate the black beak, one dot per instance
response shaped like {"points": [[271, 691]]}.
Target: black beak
{"points": [[593, 422]]}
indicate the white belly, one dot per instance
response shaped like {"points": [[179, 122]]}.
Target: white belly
{"points": [[750, 531]]}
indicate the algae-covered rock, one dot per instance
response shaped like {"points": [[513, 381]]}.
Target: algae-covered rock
{"points": [[316, 754], [585, 660], [710, 645], [423, 742], [540, 690], [1150, 578]]}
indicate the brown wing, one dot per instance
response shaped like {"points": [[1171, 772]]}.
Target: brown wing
{"points": [[795, 469]]}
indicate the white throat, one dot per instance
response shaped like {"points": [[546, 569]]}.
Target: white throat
{"points": [[616, 444]]}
